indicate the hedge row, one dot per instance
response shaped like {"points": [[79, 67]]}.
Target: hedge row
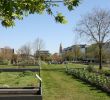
{"points": [[99, 80]]}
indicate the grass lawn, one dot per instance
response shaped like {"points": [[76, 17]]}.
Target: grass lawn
{"points": [[17, 79], [57, 85]]}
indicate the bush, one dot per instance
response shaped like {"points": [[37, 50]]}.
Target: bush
{"points": [[107, 73], [90, 68]]}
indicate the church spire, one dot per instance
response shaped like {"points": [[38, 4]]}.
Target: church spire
{"points": [[60, 49]]}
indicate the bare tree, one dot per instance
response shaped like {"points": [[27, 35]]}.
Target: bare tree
{"points": [[38, 45], [25, 51], [6, 53], [96, 26]]}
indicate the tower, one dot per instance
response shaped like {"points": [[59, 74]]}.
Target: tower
{"points": [[60, 49]]}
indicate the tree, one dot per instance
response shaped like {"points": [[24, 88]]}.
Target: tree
{"points": [[76, 52], [10, 10], [92, 53], [6, 53], [96, 26], [56, 58], [38, 45], [24, 52], [68, 56]]}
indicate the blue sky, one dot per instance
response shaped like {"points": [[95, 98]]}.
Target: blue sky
{"points": [[44, 27]]}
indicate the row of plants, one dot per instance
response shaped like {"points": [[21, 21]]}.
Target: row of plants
{"points": [[98, 80], [91, 68]]}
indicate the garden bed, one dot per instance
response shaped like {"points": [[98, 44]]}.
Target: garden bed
{"points": [[20, 86], [18, 79]]}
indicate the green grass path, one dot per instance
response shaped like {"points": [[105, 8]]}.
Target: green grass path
{"points": [[59, 86]]}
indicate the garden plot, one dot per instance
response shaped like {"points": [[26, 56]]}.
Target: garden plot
{"points": [[18, 79]]}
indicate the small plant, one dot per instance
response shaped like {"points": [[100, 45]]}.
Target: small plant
{"points": [[28, 73], [90, 68], [107, 73]]}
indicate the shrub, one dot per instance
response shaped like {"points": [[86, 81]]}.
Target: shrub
{"points": [[107, 73], [90, 68]]}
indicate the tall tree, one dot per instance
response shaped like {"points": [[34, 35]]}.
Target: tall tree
{"points": [[25, 51], [6, 53], [38, 45], [17, 9], [96, 26]]}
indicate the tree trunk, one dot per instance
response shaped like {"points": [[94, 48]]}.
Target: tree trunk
{"points": [[100, 56]]}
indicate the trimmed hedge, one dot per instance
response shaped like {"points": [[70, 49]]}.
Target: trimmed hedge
{"points": [[99, 80]]}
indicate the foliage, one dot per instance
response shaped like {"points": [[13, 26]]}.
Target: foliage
{"points": [[90, 68], [68, 56], [10, 10], [107, 72], [93, 52], [56, 58], [98, 80]]}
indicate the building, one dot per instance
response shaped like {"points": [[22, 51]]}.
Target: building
{"points": [[60, 49], [75, 52], [82, 48]]}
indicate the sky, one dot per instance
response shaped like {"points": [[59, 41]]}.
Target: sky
{"points": [[44, 27]]}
